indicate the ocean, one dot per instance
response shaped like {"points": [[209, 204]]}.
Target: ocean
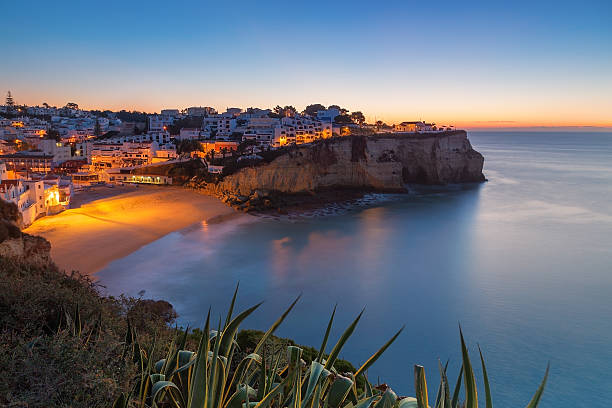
{"points": [[523, 262]]}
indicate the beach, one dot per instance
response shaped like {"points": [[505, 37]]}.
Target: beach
{"points": [[108, 223]]}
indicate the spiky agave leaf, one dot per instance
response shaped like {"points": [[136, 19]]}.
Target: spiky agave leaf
{"points": [[420, 386], [443, 399], [240, 396], [338, 391], [269, 397], [368, 387], [471, 395], [457, 390], [376, 355], [213, 377], [268, 333], [387, 400], [326, 336], [240, 369], [294, 355], [366, 402], [538, 395], [230, 331], [198, 382], [488, 399], [333, 355], [161, 386], [316, 369], [407, 402], [297, 387], [231, 308]]}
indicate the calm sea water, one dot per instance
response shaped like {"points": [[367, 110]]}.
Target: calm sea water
{"points": [[523, 262]]}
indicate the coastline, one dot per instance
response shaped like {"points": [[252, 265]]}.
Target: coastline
{"points": [[110, 223]]}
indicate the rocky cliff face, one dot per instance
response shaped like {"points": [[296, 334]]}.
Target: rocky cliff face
{"points": [[29, 249], [17, 245], [382, 162]]}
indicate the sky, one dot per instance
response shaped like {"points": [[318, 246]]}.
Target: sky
{"points": [[464, 63]]}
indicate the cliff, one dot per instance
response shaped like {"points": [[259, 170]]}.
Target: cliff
{"points": [[18, 246], [384, 162]]}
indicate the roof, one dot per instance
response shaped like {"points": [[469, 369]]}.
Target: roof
{"points": [[6, 184]]}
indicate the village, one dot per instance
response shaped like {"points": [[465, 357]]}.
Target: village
{"points": [[47, 153]]}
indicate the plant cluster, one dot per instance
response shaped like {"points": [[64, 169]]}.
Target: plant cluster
{"points": [[208, 378]]}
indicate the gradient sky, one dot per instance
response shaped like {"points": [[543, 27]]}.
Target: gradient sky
{"points": [[469, 63]]}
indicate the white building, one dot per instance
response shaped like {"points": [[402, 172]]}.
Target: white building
{"points": [[105, 155], [225, 128], [174, 113], [29, 198], [159, 123], [161, 137], [59, 152], [262, 130], [328, 115], [302, 129], [201, 111], [35, 198], [232, 112], [417, 126], [189, 134]]}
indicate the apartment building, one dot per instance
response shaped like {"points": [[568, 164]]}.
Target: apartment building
{"points": [[159, 123], [417, 126]]}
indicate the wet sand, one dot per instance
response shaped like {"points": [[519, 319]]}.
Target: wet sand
{"points": [[109, 223]]}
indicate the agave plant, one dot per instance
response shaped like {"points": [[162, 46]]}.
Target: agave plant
{"points": [[207, 379]]}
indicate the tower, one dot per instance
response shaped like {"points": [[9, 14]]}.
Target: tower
{"points": [[9, 99]]}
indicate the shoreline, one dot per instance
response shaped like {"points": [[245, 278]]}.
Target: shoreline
{"points": [[109, 223]]}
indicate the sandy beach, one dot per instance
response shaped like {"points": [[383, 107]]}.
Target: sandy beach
{"points": [[109, 223]]}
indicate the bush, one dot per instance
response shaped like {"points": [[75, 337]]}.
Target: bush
{"points": [[9, 211], [47, 356]]}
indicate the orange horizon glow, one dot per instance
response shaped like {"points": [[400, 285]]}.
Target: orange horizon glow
{"points": [[445, 118]]}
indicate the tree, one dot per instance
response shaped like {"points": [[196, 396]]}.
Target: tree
{"points": [[379, 124], [343, 119], [311, 110], [188, 146], [72, 105], [358, 117], [9, 100], [188, 122], [97, 129], [342, 110], [53, 134], [289, 111]]}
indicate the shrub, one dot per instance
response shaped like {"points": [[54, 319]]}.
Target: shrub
{"points": [[61, 343]]}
